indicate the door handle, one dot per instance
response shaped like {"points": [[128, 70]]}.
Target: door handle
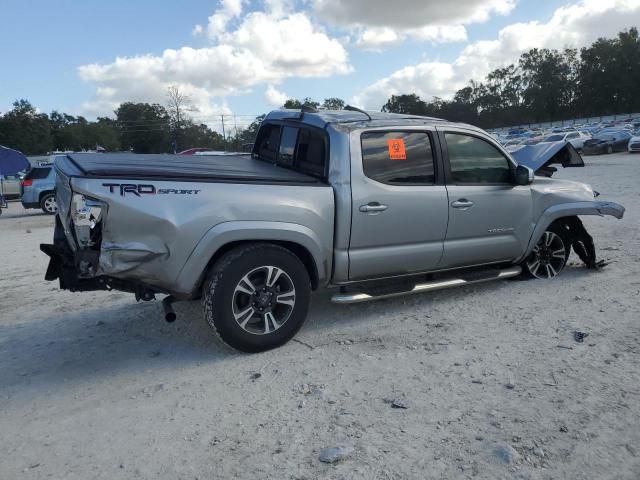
{"points": [[462, 203], [373, 207]]}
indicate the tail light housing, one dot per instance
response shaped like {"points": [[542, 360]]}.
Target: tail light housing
{"points": [[26, 182]]}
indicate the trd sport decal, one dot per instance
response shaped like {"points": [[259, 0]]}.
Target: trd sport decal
{"points": [[138, 189]]}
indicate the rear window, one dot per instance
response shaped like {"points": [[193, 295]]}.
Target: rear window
{"points": [[38, 173], [301, 149]]}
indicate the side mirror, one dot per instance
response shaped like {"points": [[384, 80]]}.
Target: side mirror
{"points": [[523, 175]]}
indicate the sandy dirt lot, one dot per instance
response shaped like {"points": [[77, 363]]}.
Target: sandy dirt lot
{"points": [[94, 385]]}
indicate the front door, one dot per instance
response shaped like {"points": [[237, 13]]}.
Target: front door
{"points": [[399, 206], [490, 218]]}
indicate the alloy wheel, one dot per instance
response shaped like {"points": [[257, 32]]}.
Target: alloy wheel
{"points": [[50, 205], [263, 300], [548, 257]]}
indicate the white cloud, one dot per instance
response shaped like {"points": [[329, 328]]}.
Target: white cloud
{"points": [[380, 22], [409, 13], [274, 97], [573, 25], [375, 38], [264, 47], [217, 24]]}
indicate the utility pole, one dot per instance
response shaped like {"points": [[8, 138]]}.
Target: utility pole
{"points": [[235, 140], [224, 136]]}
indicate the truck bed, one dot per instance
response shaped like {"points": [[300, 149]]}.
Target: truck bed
{"points": [[229, 167]]}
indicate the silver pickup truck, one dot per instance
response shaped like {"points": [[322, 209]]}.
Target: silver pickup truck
{"points": [[373, 204]]}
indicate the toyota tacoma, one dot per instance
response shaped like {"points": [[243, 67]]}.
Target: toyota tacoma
{"points": [[373, 204]]}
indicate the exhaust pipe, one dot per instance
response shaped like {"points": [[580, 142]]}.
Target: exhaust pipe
{"points": [[167, 306]]}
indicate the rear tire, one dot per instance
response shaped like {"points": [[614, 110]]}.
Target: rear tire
{"points": [[48, 204], [256, 297], [549, 256]]}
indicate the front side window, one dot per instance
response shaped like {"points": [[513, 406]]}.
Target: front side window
{"points": [[398, 158], [476, 161]]}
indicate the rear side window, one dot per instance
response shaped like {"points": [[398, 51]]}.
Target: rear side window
{"points": [[38, 173], [476, 161], [301, 149], [288, 145], [398, 158], [311, 154]]}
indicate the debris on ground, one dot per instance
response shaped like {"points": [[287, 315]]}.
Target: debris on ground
{"points": [[506, 454], [579, 336], [335, 454], [399, 404]]}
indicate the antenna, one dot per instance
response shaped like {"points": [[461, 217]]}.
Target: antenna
{"points": [[356, 109]]}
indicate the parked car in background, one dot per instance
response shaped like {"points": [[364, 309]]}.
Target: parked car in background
{"points": [[192, 151], [11, 186], [634, 142], [607, 141], [37, 189], [575, 138]]}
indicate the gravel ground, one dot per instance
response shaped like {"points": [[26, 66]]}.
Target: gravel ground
{"points": [[485, 381]]}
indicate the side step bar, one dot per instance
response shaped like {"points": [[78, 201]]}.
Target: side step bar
{"points": [[358, 297]]}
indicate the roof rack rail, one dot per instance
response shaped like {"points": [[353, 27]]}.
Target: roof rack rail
{"points": [[356, 109]]}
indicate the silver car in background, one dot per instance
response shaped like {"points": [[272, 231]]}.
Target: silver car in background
{"points": [[10, 186]]}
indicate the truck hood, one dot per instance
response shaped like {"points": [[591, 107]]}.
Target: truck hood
{"points": [[540, 157], [562, 190]]}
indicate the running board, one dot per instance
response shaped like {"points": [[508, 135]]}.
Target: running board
{"points": [[358, 297]]}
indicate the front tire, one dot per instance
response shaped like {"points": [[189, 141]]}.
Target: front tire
{"points": [[256, 297], [549, 256], [48, 204]]}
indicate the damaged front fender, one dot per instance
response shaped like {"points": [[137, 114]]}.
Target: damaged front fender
{"points": [[577, 234]]}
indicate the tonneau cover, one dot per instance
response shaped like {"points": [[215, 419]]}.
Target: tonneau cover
{"points": [[230, 167]]}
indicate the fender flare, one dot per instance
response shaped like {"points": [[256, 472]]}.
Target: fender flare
{"points": [[227, 232], [555, 212]]}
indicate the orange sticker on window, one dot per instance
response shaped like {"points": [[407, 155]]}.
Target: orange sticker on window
{"points": [[396, 149]]}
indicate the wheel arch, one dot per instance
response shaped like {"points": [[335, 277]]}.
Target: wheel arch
{"points": [[222, 238], [44, 193], [568, 213]]}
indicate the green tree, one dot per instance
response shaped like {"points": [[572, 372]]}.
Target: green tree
{"points": [[144, 127], [296, 104], [409, 104], [333, 103], [24, 129]]}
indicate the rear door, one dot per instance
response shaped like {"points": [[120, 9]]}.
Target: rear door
{"points": [[490, 218], [399, 203]]}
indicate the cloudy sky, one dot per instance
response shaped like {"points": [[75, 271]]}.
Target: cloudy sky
{"points": [[247, 56]]}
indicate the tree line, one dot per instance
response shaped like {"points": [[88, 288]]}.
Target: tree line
{"points": [[544, 85], [137, 127]]}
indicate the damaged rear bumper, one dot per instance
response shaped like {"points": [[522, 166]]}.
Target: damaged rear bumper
{"points": [[70, 269]]}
